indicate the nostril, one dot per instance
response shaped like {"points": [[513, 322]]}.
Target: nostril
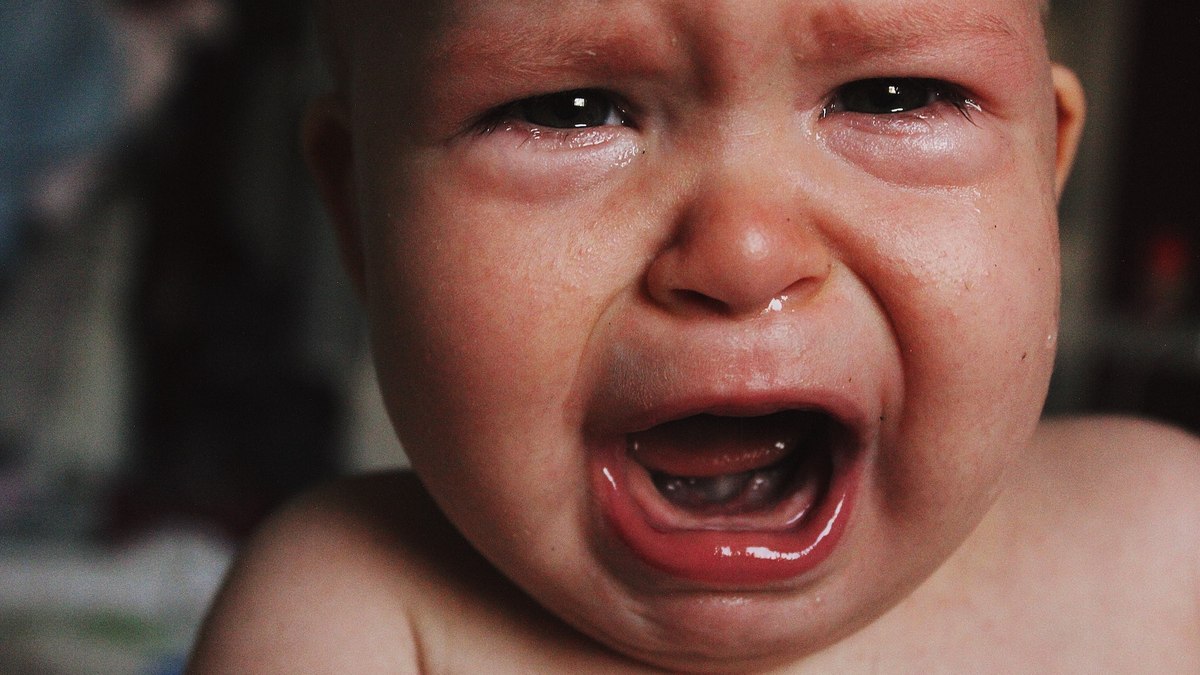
{"points": [[696, 300], [801, 290], [732, 304]]}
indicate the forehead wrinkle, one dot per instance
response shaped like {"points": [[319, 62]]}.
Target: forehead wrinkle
{"points": [[858, 30], [505, 41]]}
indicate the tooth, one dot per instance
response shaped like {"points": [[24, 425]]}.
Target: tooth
{"points": [[697, 492], [763, 487], [721, 488]]}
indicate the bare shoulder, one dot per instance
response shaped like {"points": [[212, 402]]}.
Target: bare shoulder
{"points": [[1136, 480], [322, 578], [1122, 463], [367, 576], [1088, 562], [1108, 513]]}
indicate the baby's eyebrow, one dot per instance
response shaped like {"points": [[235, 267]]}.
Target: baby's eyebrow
{"points": [[624, 46], [858, 31]]}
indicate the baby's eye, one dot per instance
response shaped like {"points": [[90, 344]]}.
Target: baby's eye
{"points": [[576, 109], [889, 96]]}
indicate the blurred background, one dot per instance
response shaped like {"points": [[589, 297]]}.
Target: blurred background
{"points": [[180, 352]]}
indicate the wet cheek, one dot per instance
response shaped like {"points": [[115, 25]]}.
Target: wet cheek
{"points": [[968, 279], [916, 152]]}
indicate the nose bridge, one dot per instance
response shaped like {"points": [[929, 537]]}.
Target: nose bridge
{"points": [[746, 240]]}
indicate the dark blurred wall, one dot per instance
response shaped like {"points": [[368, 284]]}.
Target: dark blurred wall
{"points": [[240, 345]]}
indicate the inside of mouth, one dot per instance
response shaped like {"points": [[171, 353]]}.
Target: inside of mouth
{"points": [[714, 465]]}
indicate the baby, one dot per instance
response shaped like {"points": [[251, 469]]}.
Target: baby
{"points": [[718, 333]]}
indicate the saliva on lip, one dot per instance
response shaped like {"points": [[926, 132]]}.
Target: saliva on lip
{"points": [[733, 501]]}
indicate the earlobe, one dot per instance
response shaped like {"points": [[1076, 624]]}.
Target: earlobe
{"points": [[1071, 106], [329, 152]]}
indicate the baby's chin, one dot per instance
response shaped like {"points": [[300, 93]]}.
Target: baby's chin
{"points": [[726, 632], [691, 625], [737, 632]]}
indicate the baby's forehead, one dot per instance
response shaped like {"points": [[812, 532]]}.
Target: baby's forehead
{"points": [[440, 37], [439, 30], [447, 16]]}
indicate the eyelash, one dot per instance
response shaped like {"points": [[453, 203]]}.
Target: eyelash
{"points": [[570, 101], [850, 98], [930, 92]]}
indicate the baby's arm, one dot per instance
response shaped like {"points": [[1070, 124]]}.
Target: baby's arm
{"points": [[316, 591]]}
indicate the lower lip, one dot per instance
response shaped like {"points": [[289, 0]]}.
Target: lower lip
{"points": [[721, 558]]}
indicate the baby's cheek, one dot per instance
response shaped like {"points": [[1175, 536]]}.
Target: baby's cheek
{"points": [[934, 152], [514, 166], [486, 294], [968, 277]]}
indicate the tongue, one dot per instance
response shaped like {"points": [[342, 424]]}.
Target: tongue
{"points": [[707, 446]]}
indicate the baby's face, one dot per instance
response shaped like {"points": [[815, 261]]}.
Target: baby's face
{"points": [[714, 325]]}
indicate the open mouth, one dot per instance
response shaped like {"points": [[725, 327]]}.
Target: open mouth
{"points": [[733, 473], [732, 500]]}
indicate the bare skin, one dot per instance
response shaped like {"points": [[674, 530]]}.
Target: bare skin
{"points": [[1088, 563], [594, 238]]}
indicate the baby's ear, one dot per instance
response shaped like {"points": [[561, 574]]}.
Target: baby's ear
{"points": [[1071, 106], [329, 152]]}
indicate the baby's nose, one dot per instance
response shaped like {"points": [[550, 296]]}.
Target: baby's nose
{"points": [[740, 249]]}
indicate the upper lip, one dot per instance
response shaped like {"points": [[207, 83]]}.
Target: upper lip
{"points": [[742, 404], [655, 370], [632, 398]]}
